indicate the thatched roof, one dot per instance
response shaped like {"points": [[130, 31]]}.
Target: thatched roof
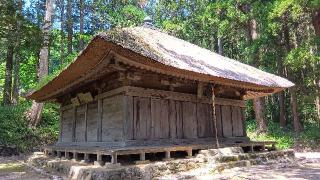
{"points": [[162, 49]]}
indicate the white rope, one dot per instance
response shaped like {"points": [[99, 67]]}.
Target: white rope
{"points": [[214, 115]]}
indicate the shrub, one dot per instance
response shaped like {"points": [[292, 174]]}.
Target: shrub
{"points": [[285, 137], [15, 132]]}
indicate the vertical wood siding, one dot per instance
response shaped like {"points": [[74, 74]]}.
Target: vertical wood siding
{"points": [[145, 118]]}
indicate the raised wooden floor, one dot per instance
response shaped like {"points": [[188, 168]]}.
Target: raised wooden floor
{"points": [[84, 153]]}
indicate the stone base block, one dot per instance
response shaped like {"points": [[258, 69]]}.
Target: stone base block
{"points": [[110, 165], [142, 162], [98, 163]]}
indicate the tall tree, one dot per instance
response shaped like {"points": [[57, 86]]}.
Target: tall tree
{"points": [[8, 28], [81, 17], [34, 114], [7, 90], [281, 97], [293, 91], [62, 36], [316, 25], [69, 25], [16, 80], [258, 103]]}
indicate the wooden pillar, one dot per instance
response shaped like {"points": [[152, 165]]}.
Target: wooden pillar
{"points": [[59, 154], [142, 159], [74, 124], [99, 129], [243, 119], [86, 158], [66, 155], [251, 149], [99, 161], [189, 151], [200, 90], [168, 156], [86, 121], [46, 152], [114, 158], [60, 133], [75, 156]]}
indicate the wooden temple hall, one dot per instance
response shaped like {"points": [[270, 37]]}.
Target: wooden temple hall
{"points": [[139, 92]]}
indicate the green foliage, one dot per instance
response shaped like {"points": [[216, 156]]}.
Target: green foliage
{"points": [[14, 129], [285, 137], [128, 15]]}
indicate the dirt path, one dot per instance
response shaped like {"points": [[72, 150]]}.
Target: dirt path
{"points": [[12, 168], [307, 166]]}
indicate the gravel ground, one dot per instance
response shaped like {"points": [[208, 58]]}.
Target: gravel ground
{"points": [[307, 166], [14, 167]]}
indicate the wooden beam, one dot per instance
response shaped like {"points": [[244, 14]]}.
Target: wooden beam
{"points": [[86, 121], [145, 92], [99, 123], [74, 124], [111, 93], [200, 90]]}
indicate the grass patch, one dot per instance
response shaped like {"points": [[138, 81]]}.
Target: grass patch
{"points": [[12, 167], [285, 137]]}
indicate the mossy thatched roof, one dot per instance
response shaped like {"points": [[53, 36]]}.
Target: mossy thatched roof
{"points": [[181, 54], [162, 50]]}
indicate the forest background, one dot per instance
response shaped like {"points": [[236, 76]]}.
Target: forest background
{"points": [[39, 38]]}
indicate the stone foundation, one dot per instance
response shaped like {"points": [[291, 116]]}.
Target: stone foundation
{"points": [[212, 159]]}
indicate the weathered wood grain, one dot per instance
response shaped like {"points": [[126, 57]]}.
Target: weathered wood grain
{"points": [[80, 123], [142, 114], [160, 118], [128, 117], [219, 121], [92, 122], [189, 120], [205, 120], [172, 119], [237, 122], [99, 120], [112, 119], [226, 121], [67, 125]]}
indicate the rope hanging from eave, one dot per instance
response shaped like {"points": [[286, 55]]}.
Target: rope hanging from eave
{"points": [[214, 115]]}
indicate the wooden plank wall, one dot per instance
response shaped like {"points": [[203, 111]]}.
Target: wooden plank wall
{"points": [[92, 122], [67, 125], [112, 119], [85, 123], [149, 118]]}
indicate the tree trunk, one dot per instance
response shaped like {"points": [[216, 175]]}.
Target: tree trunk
{"points": [[316, 26], [81, 42], [293, 91], [16, 79], [317, 102], [316, 21], [7, 90], [69, 25], [282, 112], [62, 33], [34, 114], [294, 105], [258, 103], [220, 45]]}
